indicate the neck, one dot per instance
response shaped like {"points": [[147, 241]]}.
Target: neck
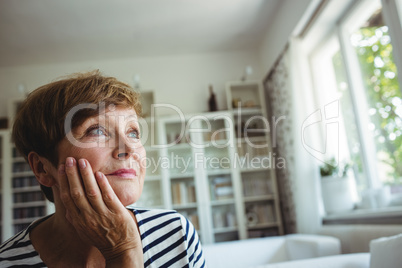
{"points": [[57, 242]]}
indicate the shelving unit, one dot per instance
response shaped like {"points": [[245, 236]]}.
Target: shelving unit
{"points": [[21, 198], [257, 175]]}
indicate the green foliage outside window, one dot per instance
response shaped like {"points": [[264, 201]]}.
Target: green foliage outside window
{"points": [[374, 51]]}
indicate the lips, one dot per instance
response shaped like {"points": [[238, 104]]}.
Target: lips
{"points": [[125, 173]]}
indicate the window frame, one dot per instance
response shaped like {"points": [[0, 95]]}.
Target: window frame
{"points": [[393, 20]]}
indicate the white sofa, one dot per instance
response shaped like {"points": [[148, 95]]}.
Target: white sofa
{"points": [[263, 251], [355, 260], [363, 246], [356, 238]]}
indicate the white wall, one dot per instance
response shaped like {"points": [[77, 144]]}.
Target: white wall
{"points": [[287, 18], [180, 80]]}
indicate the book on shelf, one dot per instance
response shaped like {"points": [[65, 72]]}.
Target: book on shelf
{"points": [[260, 213], [26, 181], [21, 167], [256, 186], [29, 212], [221, 188], [183, 192], [265, 213], [192, 217], [26, 197], [219, 219], [222, 219]]}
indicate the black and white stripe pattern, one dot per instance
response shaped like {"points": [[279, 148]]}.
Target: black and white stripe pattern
{"points": [[18, 251], [168, 239]]}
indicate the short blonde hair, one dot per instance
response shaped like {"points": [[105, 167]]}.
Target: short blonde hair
{"points": [[39, 123]]}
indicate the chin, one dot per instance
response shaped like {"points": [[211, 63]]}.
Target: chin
{"points": [[127, 193], [128, 198]]}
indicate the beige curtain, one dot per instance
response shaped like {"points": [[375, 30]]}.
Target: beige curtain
{"points": [[277, 87]]}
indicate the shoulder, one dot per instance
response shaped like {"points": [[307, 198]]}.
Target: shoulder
{"points": [[18, 250], [168, 233], [154, 216], [162, 217]]}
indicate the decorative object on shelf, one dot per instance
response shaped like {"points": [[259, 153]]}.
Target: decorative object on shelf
{"points": [[22, 89], [251, 218], [245, 94], [236, 102], [4, 123], [247, 72], [337, 187], [212, 100], [147, 99], [137, 84], [249, 104]]}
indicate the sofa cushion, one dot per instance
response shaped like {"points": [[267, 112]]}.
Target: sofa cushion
{"points": [[356, 260], [385, 252], [304, 246], [245, 253]]}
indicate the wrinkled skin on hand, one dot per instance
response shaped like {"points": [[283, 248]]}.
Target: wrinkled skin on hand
{"points": [[96, 213]]}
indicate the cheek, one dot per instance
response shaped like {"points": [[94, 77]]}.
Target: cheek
{"points": [[95, 156], [143, 158]]}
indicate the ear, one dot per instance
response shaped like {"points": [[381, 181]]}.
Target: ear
{"points": [[42, 168]]}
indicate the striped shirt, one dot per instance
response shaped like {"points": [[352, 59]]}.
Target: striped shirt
{"points": [[168, 240]]}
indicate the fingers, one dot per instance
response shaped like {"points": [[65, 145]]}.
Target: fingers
{"points": [[91, 188], [95, 211], [77, 193], [65, 192], [82, 192], [109, 196]]}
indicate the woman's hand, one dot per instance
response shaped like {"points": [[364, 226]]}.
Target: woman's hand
{"points": [[97, 214]]}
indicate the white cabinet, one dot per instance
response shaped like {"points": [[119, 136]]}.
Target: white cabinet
{"points": [[254, 133], [199, 181]]}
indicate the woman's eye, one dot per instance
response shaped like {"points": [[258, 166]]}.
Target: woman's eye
{"points": [[98, 131], [134, 134]]}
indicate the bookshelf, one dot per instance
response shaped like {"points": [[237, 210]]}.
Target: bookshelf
{"points": [[257, 170], [217, 175]]}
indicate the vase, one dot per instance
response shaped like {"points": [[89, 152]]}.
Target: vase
{"points": [[337, 194]]}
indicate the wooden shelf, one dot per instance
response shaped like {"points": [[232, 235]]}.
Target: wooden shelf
{"points": [[41, 203], [258, 198], [222, 202], [262, 225], [225, 230], [22, 174], [26, 189], [185, 206]]}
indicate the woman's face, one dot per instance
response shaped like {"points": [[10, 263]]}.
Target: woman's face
{"points": [[111, 143]]}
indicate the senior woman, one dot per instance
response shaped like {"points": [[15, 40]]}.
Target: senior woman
{"points": [[81, 138]]}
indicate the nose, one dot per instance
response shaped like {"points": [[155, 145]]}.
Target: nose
{"points": [[124, 150]]}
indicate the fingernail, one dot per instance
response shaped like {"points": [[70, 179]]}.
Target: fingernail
{"points": [[82, 163], [69, 162], [98, 175], [62, 169]]}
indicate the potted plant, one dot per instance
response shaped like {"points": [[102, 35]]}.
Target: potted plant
{"points": [[336, 187]]}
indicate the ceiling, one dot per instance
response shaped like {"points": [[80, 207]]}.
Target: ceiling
{"points": [[54, 31]]}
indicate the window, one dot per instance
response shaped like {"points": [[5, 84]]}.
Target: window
{"points": [[356, 66]]}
